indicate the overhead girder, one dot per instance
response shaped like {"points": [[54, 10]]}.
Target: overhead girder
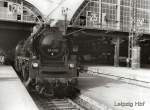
{"points": [[33, 9]]}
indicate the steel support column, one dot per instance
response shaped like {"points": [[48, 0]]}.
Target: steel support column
{"points": [[116, 55]]}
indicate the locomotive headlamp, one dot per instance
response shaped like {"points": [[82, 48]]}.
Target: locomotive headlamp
{"points": [[35, 65], [71, 65], [34, 57]]}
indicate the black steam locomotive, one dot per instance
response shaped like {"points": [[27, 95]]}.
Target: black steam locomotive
{"points": [[45, 57]]}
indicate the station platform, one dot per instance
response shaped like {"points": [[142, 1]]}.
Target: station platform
{"points": [[112, 94], [136, 76], [13, 94]]}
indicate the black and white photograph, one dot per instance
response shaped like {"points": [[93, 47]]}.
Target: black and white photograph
{"points": [[74, 54]]}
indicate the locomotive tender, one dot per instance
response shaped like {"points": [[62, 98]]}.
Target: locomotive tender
{"points": [[45, 56]]}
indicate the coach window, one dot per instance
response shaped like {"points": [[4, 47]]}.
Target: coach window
{"points": [[18, 17], [5, 4]]}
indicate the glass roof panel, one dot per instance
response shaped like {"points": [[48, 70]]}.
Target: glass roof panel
{"points": [[45, 6], [52, 9]]}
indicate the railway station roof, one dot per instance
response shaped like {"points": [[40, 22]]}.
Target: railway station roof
{"points": [[52, 9]]}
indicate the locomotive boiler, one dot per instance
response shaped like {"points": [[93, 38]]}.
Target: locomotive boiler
{"points": [[45, 57]]}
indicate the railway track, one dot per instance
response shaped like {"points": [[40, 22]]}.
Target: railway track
{"points": [[51, 103]]}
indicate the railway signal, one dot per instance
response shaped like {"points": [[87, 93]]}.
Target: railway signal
{"points": [[136, 31]]}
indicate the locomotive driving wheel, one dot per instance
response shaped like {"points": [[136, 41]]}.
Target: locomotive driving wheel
{"points": [[25, 76]]}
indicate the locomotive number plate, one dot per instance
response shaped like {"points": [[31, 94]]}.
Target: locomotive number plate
{"points": [[53, 50]]}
